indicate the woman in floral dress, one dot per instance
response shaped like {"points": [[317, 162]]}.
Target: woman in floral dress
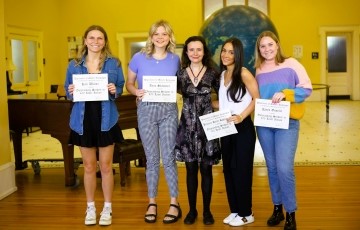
{"points": [[196, 81]]}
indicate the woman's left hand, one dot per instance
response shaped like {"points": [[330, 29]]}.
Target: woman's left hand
{"points": [[112, 88], [235, 118], [277, 97]]}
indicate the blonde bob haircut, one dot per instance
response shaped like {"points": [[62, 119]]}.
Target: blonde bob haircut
{"points": [[149, 47]]}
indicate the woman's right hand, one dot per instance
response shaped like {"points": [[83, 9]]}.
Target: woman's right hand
{"points": [[71, 89], [140, 93]]}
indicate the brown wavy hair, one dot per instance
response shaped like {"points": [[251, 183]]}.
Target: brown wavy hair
{"points": [[105, 52], [280, 57]]}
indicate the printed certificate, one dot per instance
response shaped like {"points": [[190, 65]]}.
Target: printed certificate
{"points": [[216, 126], [272, 115], [159, 88], [90, 87]]}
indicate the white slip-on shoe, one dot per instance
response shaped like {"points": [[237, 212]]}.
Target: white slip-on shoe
{"points": [[229, 218], [105, 217], [239, 220], [90, 218]]}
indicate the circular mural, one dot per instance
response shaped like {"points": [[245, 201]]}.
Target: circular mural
{"points": [[243, 22]]}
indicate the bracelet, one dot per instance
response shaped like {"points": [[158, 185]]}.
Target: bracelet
{"points": [[241, 118]]}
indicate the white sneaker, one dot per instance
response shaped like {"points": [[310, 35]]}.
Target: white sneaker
{"points": [[90, 218], [106, 217], [229, 218], [239, 221]]}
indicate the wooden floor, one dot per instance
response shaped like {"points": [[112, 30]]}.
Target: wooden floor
{"points": [[328, 198]]}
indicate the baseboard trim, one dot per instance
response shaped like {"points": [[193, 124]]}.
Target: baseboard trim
{"points": [[318, 163], [7, 175], [339, 97]]}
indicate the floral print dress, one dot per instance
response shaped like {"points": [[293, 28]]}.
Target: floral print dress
{"points": [[191, 142]]}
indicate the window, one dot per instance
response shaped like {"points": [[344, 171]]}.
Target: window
{"points": [[336, 53], [210, 6], [24, 52]]}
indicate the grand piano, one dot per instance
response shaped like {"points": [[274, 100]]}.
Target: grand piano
{"points": [[52, 114]]}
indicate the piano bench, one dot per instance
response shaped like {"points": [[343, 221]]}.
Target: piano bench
{"points": [[124, 152], [129, 149]]}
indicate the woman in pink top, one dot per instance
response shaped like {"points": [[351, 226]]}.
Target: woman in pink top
{"points": [[281, 78]]}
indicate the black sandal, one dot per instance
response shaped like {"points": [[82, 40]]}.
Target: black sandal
{"points": [[147, 220], [173, 217]]}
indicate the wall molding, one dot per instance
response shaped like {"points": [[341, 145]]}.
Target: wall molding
{"points": [[7, 175], [123, 41]]}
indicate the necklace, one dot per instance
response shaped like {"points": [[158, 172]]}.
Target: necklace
{"points": [[159, 57], [196, 78]]}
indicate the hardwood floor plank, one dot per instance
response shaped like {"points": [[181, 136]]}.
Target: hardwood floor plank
{"points": [[328, 198]]}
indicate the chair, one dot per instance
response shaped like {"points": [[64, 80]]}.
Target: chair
{"points": [[54, 88], [60, 92], [128, 149]]}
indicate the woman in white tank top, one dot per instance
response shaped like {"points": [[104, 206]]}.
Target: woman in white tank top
{"points": [[237, 93]]}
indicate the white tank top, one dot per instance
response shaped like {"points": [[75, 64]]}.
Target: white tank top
{"points": [[226, 103]]}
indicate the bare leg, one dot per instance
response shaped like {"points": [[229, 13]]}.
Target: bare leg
{"points": [[89, 162], [107, 177]]}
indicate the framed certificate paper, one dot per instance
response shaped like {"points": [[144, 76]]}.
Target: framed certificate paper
{"points": [[90, 87], [215, 124], [159, 88], [272, 115]]}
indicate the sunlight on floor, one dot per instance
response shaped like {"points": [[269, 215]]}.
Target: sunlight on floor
{"points": [[336, 142]]}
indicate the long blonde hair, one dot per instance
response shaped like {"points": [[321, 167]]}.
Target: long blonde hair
{"points": [[149, 47], [105, 52], [280, 57]]}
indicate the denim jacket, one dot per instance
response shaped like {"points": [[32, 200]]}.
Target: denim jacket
{"points": [[109, 110]]}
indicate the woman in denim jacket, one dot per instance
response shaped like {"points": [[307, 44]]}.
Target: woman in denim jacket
{"points": [[94, 123]]}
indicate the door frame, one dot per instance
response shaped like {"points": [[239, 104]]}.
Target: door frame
{"points": [[124, 40], [355, 77]]}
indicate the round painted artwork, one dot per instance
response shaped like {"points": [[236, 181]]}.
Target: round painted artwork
{"points": [[243, 22]]}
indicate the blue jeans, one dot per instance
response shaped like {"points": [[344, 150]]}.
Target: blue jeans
{"points": [[279, 147]]}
